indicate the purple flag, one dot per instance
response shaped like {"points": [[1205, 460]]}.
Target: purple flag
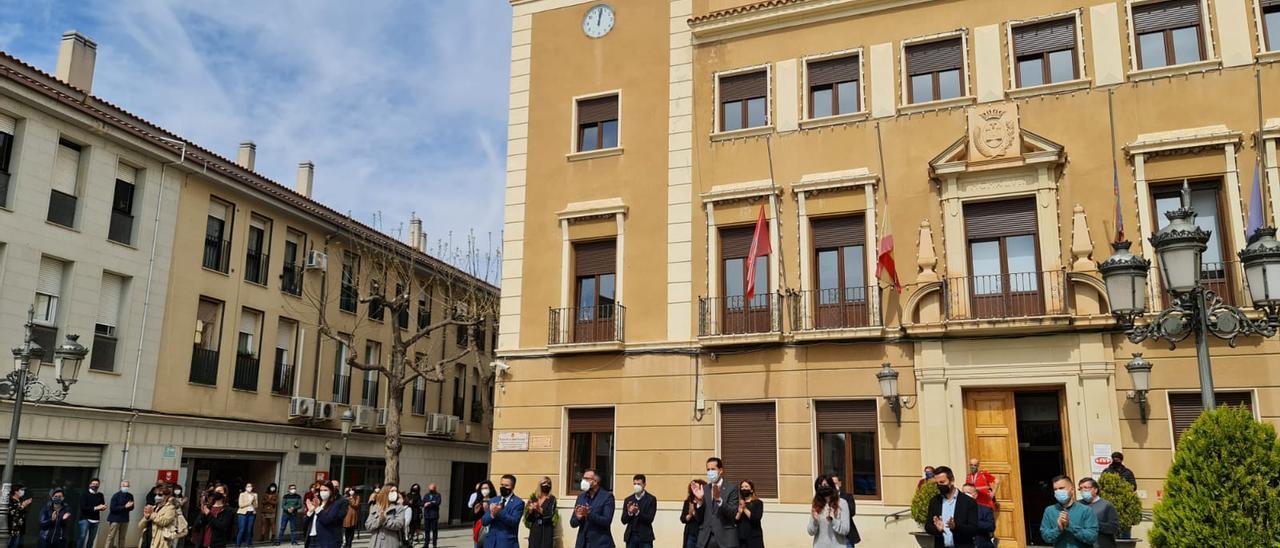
{"points": [[1255, 205]]}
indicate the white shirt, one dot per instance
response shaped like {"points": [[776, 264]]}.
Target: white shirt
{"points": [[315, 520]]}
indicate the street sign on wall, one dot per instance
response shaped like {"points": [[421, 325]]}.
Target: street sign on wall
{"points": [[166, 476]]}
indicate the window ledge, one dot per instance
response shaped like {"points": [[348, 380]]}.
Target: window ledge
{"points": [[218, 272], [597, 153], [585, 348], [1268, 56], [112, 373], [1056, 87], [122, 244], [256, 284], [937, 105], [836, 120], [62, 226], [1198, 66], [742, 133]]}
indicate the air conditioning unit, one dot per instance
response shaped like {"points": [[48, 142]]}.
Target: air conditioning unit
{"points": [[317, 260], [382, 418], [452, 426], [366, 417], [437, 425], [325, 410], [301, 408]]}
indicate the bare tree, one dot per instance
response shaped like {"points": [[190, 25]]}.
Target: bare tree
{"points": [[455, 279]]}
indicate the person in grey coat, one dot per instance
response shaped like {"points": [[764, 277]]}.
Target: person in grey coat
{"points": [[1108, 517], [386, 519], [829, 520]]}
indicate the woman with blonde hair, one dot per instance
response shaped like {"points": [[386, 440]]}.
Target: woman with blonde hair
{"points": [[540, 516], [168, 526], [386, 518]]}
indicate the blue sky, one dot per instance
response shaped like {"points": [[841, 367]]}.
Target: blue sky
{"points": [[400, 104]]}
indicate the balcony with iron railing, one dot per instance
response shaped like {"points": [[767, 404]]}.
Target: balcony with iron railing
{"points": [[848, 312], [1222, 278], [291, 279], [734, 320], [477, 411], [342, 388], [255, 266], [217, 254], [204, 366], [246, 373], [1025, 297], [586, 328], [282, 379]]}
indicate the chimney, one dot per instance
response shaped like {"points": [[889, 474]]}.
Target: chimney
{"points": [[415, 232], [306, 174], [248, 153], [75, 60]]}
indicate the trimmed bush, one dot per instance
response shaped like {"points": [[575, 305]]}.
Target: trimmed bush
{"points": [[1224, 486], [1120, 494], [920, 502]]}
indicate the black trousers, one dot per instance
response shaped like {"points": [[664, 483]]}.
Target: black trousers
{"points": [[431, 532], [350, 534]]}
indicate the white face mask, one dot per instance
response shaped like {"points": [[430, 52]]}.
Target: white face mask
{"points": [[293, 491], [639, 488], [125, 489], [484, 491], [585, 485], [393, 497], [22, 493], [176, 492], [248, 489], [324, 495]]}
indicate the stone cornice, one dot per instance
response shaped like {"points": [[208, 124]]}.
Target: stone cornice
{"points": [[775, 14]]}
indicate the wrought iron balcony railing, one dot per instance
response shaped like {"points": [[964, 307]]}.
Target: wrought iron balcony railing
{"points": [[587, 324], [733, 315], [1001, 296]]}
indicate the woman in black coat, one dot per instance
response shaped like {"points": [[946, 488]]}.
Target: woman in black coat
{"points": [[750, 510], [218, 521], [690, 516]]}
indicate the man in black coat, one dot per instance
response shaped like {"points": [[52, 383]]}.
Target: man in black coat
{"points": [[953, 517], [638, 512], [986, 520], [853, 536]]}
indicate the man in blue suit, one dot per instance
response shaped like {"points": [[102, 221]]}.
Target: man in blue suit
{"points": [[503, 519], [593, 513]]}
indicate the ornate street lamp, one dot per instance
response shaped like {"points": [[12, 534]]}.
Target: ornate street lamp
{"points": [[1140, 372], [67, 359], [888, 378], [1195, 309]]}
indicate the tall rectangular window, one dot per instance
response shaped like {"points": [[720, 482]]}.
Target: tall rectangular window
{"points": [[49, 285], [256, 258], [105, 336], [590, 446], [424, 308], [418, 403], [833, 86], [342, 370], [291, 276], [477, 405], [1215, 269], [1185, 407], [248, 350], [1168, 33], [217, 241], [848, 446], [121, 226], [369, 390], [66, 183], [1270, 30], [376, 309], [402, 315], [349, 295], [738, 315], [1002, 258], [749, 444], [595, 291], [935, 70], [8, 128], [204, 356], [1046, 52], [459, 394], [841, 298], [598, 123], [744, 100], [282, 369]]}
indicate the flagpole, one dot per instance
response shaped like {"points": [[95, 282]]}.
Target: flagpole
{"points": [[1115, 166], [776, 210], [1260, 146]]}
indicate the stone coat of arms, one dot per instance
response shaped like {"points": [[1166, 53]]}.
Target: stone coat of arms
{"points": [[993, 132]]}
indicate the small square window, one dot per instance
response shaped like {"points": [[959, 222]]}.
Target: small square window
{"points": [[935, 70], [597, 123], [744, 100]]}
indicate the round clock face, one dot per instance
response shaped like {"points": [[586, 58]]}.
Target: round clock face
{"points": [[598, 22]]}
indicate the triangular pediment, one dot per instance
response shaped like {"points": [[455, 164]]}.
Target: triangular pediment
{"points": [[1033, 149], [994, 139]]}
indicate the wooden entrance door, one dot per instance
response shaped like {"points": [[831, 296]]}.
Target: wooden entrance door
{"points": [[992, 433]]}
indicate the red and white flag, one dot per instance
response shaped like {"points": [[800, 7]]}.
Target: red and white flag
{"points": [[759, 248], [884, 255]]}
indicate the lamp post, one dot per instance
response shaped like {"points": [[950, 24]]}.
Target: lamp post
{"points": [[347, 418], [1195, 309], [887, 376], [23, 385]]}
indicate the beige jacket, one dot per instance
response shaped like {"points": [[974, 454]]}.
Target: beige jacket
{"points": [[164, 526], [248, 503]]}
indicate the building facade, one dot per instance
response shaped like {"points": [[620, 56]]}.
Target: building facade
{"points": [[198, 285], [983, 138]]}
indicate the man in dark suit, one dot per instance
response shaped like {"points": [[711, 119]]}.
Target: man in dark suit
{"points": [[593, 513], [718, 505], [953, 517], [853, 537], [638, 512], [986, 520], [503, 519]]}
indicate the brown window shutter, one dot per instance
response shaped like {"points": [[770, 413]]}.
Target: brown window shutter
{"points": [[839, 232], [934, 56], [749, 445], [1184, 408], [597, 419], [736, 242], [846, 416], [1166, 15], [600, 109], [744, 86], [833, 71], [1045, 37], [1001, 218], [593, 258]]}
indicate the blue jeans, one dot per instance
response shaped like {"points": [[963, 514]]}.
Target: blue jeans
{"points": [[88, 532], [244, 529], [290, 521]]}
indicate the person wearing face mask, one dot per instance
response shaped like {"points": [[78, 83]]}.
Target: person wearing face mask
{"points": [[1106, 514], [829, 516], [431, 517], [386, 519], [503, 518], [165, 520], [1067, 524], [18, 503], [325, 514], [689, 515], [290, 504], [351, 517], [750, 512], [246, 512], [270, 501], [480, 507], [985, 482], [92, 503], [928, 477], [592, 513], [852, 536], [718, 505], [953, 517], [541, 516], [414, 502], [118, 516], [986, 520], [55, 519], [216, 519], [638, 511]]}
